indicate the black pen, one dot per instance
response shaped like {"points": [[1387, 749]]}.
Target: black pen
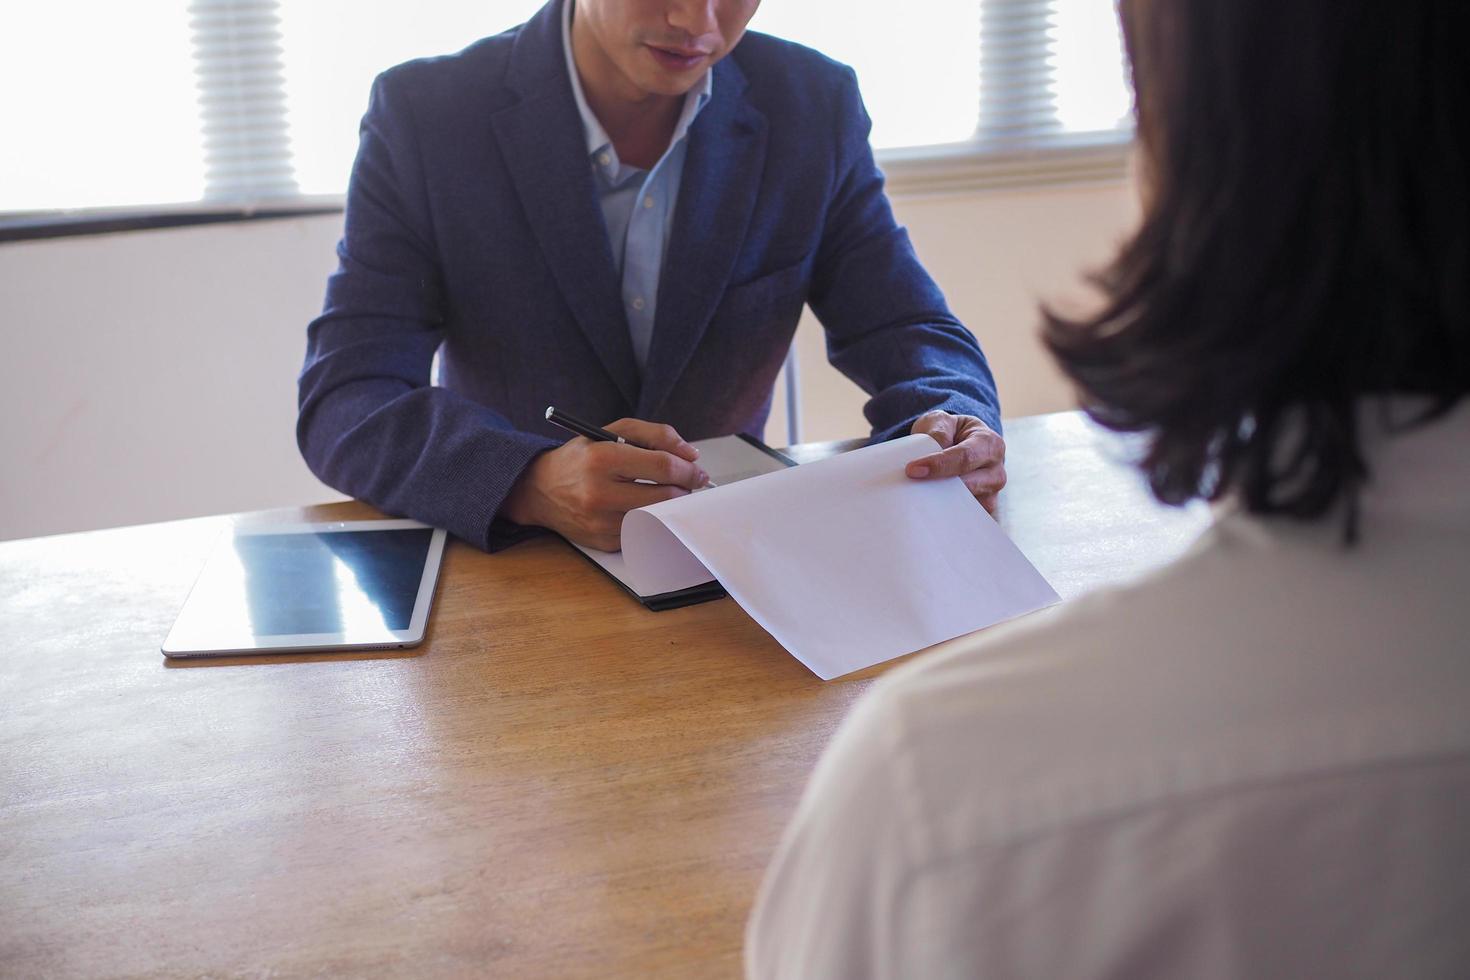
{"points": [[595, 432]]}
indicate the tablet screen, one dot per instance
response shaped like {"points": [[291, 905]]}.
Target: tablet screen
{"points": [[320, 583], [311, 587]]}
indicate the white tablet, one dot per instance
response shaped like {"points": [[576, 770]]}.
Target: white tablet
{"points": [[353, 585]]}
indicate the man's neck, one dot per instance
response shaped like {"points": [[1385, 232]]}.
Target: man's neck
{"points": [[640, 124]]}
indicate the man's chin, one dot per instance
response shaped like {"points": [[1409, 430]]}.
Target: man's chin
{"points": [[675, 86]]}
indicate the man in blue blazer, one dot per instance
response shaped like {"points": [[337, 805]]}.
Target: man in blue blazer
{"points": [[600, 211]]}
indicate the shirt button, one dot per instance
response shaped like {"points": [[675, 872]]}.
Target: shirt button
{"points": [[637, 302], [604, 158], [648, 202]]}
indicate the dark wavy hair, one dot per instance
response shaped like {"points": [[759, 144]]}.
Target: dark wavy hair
{"points": [[1304, 243]]}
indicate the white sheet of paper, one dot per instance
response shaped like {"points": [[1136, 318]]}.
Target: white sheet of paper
{"points": [[727, 459], [846, 562]]}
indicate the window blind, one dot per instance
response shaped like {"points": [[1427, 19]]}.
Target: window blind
{"points": [[237, 46], [1017, 96]]}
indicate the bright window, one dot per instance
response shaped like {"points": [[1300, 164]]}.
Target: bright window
{"points": [[923, 71], [227, 103], [100, 117], [333, 49]]}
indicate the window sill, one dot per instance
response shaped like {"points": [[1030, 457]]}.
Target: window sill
{"points": [[910, 172], [958, 168], [35, 225]]}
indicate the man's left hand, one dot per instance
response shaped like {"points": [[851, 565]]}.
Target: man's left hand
{"points": [[969, 449]]}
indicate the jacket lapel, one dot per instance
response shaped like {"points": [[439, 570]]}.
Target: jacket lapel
{"points": [[545, 150], [722, 176]]}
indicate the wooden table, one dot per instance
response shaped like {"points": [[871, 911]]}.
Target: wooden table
{"points": [[557, 783]]}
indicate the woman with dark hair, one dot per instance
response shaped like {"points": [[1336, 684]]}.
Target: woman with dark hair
{"points": [[1256, 762]]}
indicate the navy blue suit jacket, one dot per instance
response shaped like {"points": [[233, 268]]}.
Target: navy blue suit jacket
{"points": [[473, 230]]}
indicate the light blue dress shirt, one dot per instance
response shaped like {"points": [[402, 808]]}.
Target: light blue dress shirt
{"points": [[637, 205]]}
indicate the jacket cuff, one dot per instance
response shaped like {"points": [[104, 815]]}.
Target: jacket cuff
{"points": [[989, 414]]}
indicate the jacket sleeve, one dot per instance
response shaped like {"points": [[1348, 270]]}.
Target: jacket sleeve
{"points": [[888, 327], [371, 423]]}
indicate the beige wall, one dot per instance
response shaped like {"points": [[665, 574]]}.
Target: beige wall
{"points": [[996, 255], [151, 375]]}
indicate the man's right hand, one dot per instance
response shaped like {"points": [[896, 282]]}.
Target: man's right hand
{"points": [[582, 489]]}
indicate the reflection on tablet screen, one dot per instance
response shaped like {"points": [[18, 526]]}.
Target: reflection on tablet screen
{"points": [[331, 583]]}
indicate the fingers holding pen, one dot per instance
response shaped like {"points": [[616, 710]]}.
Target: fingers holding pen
{"points": [[583, 488], [634, 465], [654, 435]]}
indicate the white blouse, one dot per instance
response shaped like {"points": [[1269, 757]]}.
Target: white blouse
{"points": [[1253, 763]]}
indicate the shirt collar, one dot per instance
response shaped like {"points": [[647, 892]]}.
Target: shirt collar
{"points": [[597, 138]]}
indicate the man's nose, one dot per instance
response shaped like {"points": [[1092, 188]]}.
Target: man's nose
{"points": [[694, 17]]}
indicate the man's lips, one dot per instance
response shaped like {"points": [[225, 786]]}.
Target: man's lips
{"points": [[677, 59]]}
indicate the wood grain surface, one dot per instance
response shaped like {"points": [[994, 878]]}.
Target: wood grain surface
{"points": [[556, 783]]}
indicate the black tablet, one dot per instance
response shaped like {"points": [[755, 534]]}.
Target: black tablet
{"points": [[344, 585]]}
